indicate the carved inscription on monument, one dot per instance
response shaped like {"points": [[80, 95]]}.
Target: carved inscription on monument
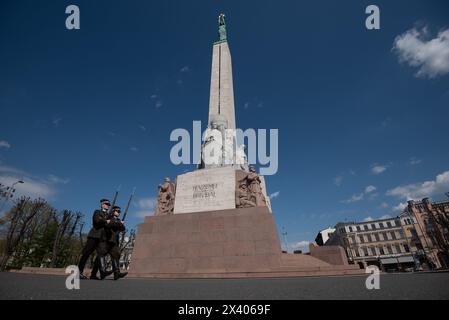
{"points": [[205, 190]]}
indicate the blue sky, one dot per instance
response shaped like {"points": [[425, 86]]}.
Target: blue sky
{"points": [[362, 126]]}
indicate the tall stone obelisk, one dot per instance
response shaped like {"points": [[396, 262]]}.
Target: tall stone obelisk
{"points": [[221, 100]]}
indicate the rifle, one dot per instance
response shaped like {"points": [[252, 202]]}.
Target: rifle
{"points": [[115, 199], [124, 217], [127, 206]]}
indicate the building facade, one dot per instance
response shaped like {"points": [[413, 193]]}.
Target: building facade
{"points": [[381, 242], [323, 236], [415, 240], [430, 231]]}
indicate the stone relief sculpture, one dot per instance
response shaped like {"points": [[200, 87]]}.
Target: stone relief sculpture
{"points": [[165, 198], [249, 191], [213, 149], [241, 158], [242, 196]]}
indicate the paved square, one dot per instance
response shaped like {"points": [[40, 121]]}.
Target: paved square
{"points": [[393, 286]]}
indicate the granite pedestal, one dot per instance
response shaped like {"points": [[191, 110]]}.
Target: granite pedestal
{"points": [[231, 243]]}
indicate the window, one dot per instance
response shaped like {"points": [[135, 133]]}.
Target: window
{"points": [[373, 250], [350, 229], [413, 232], [365, 227], [365, 251], [381, 250], [377, 237], [358, 228], [384, 234], [371, 237], [373, 226], [398, 248], [353, 239], [381, 225], [357, 253], [389, 224], [401, 234], [389, 249], [406, 247], [362, 240], [393, 235]]}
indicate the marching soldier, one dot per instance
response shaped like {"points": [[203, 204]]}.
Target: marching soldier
{"points": [[109, 244], [99, 220]]}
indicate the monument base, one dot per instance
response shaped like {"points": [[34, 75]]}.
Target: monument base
{"points": [[234, 243]]}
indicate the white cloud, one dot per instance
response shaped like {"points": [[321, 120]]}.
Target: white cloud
{"points": [[33, 186], [158, 104], [360, 196], [146, 206], [274, 195], [4, 144], [153, 96], [142, 127], [378, 169], [384, 205], [134, 149], [246, 105], [338, 180], [417, 191], [430, 56], [185, 69], [54, 179], [300, 245], [369, 218], [143, 213], [414, 161], [400, 207], [354, 198], [147, 203]]}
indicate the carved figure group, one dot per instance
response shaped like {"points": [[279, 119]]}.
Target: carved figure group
{"points": [[249, 191], [165, 198]]}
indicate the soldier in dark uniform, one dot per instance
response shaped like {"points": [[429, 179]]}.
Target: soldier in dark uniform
{"points": [[109, 244], [99, 219]]}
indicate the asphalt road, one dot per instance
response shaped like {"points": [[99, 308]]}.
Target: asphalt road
{"points": [[392, 286]]}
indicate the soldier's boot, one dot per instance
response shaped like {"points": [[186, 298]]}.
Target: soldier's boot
{"points": [[102, 267], [95, 268], [116, 270]]}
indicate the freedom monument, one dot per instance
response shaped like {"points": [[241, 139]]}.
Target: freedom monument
{"points": [[216, 221]]}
